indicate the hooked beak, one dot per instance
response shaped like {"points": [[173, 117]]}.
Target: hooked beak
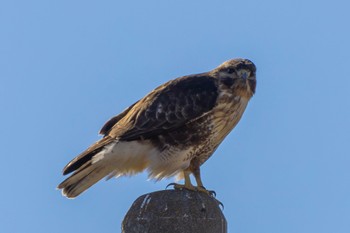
{"points": [[244, 74]]}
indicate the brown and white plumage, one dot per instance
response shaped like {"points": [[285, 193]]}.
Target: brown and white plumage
{"points": [[171, 131]]}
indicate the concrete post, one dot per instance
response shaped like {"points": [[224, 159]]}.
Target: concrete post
{"points": [[175, 211]]}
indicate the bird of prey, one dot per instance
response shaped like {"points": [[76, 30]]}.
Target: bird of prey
{"points": [[171, 131]]}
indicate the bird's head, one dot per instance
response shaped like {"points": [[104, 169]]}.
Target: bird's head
{"points": [[238, 75]]}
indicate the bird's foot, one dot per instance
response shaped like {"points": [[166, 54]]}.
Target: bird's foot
{"points": [[197, 189], [192, 188], [211, 193], [182, 186]]}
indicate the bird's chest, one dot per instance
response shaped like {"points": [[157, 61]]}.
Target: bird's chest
{"points": [[217, 125], [226, 115]]}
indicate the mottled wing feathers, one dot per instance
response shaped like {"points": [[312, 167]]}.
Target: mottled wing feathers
{"points": [[170, 106]]}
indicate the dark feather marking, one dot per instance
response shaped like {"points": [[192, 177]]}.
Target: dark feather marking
{"points": [[81, 161], [252, 84], [69, 188], [246, 66], [177, 103], [86, 156], [228, 81]]}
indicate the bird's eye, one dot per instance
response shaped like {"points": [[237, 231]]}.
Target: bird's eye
{"points": [[230, 70]]}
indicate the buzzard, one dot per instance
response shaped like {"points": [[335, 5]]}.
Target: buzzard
{"points": [[171, 131]]}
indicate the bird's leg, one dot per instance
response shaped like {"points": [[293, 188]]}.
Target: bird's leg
{"points": [[188, 185], [197, 175]]}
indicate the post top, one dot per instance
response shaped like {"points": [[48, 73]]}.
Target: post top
{"points": [[175, 211]]}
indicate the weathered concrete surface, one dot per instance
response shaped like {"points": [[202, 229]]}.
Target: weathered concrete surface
{"points": [[175, 211]]}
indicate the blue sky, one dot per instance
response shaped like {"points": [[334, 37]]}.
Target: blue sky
{"points": [[68, 66]]}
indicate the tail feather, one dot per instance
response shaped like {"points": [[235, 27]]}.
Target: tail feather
{"points": [[83, 179], [87, 155], [106, 160]]}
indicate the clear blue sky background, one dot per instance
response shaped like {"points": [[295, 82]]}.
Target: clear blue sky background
{"points": [[68, 66]]}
